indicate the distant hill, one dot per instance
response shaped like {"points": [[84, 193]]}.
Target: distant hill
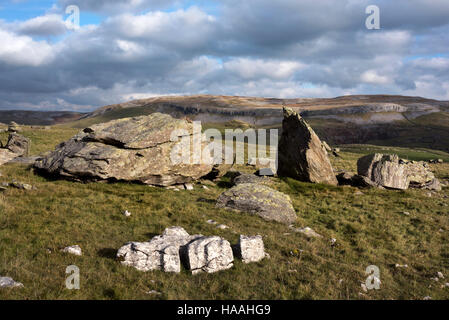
{"points": [[38, 117], [374, 119]]}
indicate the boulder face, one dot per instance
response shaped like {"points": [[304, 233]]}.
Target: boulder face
{"points": [[391, 172], [260, 200], [301, 153], [17, 146], [132, 149]]}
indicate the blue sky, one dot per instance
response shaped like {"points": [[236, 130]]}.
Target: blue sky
{"points": [[128, 49]]}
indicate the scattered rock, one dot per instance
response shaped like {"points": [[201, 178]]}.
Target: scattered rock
{"points": [[440, 275], [18, 144], [75, 250], [364, 288], [260, 200], [248, 178], [427, 298], [222, 227], [397, 265], [209, 254], [301, 155], [405, 213], [21, 186], [251, 249], [205, 187], [127, 213], [188, 186], [333, 242], [308, 232], [211, 222], [154, 292], [131, 149], [355, 180], [160, 253], [7, 282], [391, 172]]}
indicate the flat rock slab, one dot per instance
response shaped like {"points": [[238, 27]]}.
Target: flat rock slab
{"points": [[135, 149], [259, 200]]}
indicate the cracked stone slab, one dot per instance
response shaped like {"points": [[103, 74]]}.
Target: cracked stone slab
{"points": [[209, 254], [160, 253]]}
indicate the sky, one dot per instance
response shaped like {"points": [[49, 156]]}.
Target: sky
{"points": [[132, 49]]}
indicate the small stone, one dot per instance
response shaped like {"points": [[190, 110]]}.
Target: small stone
{"points": [[308, 232], [397, 265], [211, 222], [188, 186], [292, 271], [205, 187], [440, 275], [251, 249], [405, 213], [7, 282], [127, 213], [359, 193], [427, 298], [75, 250], [222, 227], [333, 242], [154, 292], [436, 279]]}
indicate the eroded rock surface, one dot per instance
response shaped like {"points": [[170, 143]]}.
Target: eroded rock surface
{"points": [[260, 200], [251, 249], [392, 172], [160, 253], [301, 153], [209, 254], [131, 149], [17, 146]]}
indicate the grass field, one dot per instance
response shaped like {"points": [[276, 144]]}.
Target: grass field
{"points": [[370, 229]]}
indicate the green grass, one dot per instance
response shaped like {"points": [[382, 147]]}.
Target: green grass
{"points": [[370, 230]]}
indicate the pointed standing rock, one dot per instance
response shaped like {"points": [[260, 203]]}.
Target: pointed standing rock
{"points": [[301, 155]]}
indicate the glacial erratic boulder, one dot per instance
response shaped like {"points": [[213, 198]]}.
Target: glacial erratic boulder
{"points": [[301, 153], [251, 249], [17, 146], [260, 200], [391, 172], [135, 149]]}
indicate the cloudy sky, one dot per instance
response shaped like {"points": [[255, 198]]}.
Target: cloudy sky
{"points": [[129, 49]]}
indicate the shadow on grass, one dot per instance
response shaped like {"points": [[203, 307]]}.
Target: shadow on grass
{"points": [[109, 253]]}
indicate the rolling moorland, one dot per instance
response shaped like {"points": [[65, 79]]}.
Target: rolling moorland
{"points": [[386, 228]]}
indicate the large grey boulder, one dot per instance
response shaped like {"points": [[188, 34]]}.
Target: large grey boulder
{"points": [[259, 200], [133, 149], [209, 254], [391, 172], [160, 253], [301, 154]]}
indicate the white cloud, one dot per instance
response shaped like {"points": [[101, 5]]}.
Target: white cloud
{"points": [[257, 68], [23, 50], [371, 76]]}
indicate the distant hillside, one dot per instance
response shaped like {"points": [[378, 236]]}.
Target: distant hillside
{"points": [[38, 117]]}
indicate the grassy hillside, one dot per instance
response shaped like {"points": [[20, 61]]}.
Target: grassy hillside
{"points": [[370, 229]]}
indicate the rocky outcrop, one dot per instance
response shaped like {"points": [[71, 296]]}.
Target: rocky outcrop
{"points": [[209, 254], [355, 180], [17, 146], [391, 172], [249, 178], [300, 152], [259, 200], [133, 149], [160, 253], [251, 249]]}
